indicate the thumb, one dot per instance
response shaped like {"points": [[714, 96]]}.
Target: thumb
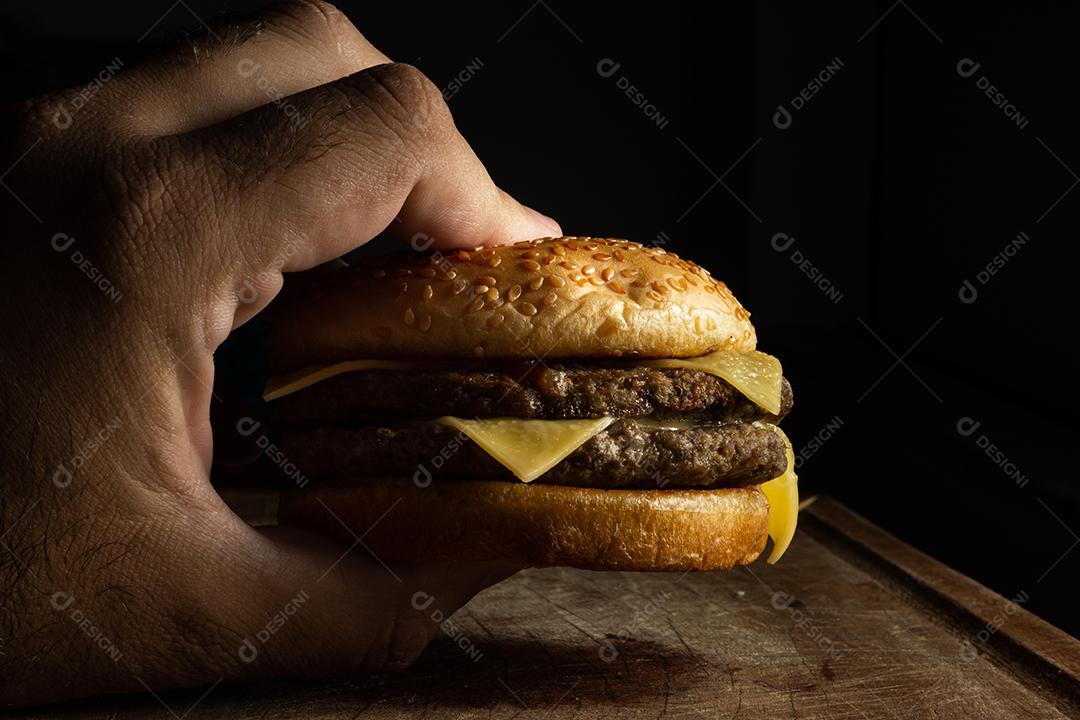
{"points": [[319, 608]]}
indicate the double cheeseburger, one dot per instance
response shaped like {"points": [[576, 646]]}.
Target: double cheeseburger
{"points": [[563, 401]]}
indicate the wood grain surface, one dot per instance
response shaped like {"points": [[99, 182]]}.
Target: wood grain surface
{"points": [[852, 623]]}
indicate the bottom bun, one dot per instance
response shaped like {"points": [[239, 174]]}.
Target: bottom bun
{"points": [[538, 525]]}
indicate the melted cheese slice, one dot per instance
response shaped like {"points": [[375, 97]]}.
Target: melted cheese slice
{"points": [[756, 375], [783, 495], [528, 448], [278, 387]]}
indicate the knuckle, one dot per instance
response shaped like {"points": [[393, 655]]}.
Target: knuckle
{"points": [[407, 101], [316, 21]]}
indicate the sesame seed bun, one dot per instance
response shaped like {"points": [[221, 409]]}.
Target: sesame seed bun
{"points": [[553, 297], [538, 525]]}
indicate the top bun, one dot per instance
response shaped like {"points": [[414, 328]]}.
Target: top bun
{"points": [[568, 297]]}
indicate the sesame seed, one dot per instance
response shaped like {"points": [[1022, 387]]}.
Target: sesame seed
{"points": [[608, 274], [487, 280], [550, 298], [463, 256], [547, 259], [459, 286], [480, 288], [617, 287], [530, 255], [602, 257], [494, 261], [536, 283], [427, 272], [556, 281], [428, 292], [627, 272], [496, 320], [639, 283], [596, 280], [588, 270], [475, 305], [492, 294], [653, 295], [513, 293], [410, 316], [673, 285], [527, 308], [425, 323], [558, 250], [531, 265]]}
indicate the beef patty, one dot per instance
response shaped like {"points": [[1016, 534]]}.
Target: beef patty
{"points": [[626, 454], [554, 391]]}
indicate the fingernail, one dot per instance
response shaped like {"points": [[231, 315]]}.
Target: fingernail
{"points": [[549, 222]]}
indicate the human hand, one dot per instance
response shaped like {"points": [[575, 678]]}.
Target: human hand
{"points": [[144, 225]]}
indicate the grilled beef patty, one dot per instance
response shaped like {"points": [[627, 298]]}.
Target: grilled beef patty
{"points": [[554, 391], [627, 454]]}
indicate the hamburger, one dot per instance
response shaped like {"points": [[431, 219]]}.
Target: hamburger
{"points": [[572, 401]]}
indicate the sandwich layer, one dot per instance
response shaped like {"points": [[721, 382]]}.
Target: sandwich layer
{"points": [[538, 525], [552, 390], [627, 454], [554, 297]]}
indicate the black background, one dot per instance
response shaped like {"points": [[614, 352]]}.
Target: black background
{"points": [[899, 180]]}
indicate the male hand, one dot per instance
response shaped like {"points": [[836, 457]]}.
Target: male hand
{"points": [[148, 217]]}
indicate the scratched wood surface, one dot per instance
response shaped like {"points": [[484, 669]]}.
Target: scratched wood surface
{"points": [[852, 624]]}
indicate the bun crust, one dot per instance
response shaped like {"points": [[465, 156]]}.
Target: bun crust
{"points": [[540, 525], [553, 297]]}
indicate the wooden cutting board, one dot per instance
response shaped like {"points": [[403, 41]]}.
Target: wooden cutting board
{"points": [[852, 623]]}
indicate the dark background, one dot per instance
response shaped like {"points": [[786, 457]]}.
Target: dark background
{"points": [[899, 180]]}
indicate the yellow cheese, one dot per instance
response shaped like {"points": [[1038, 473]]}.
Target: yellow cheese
{"points": [[528, 448], [279, 387], [756, 375], [783, 495]]}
